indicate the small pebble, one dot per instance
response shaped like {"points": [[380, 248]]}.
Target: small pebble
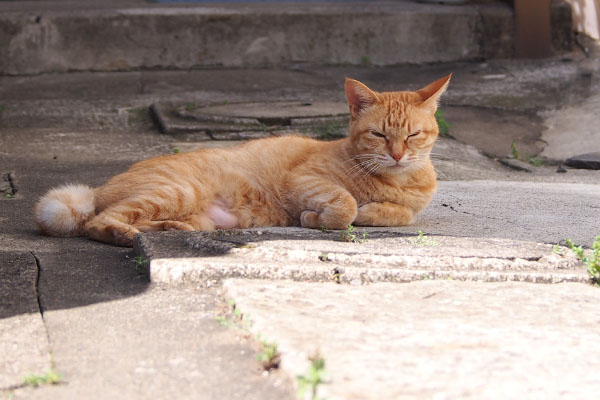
{"points": [[560, 169]]}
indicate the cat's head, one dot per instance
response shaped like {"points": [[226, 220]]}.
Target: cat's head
{"points": [[392, 132]]}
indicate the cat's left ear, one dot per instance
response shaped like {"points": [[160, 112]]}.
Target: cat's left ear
{"points": [[431, 93], [359, 96]]}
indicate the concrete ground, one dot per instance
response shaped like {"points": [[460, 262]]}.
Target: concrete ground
{"points": [[88, 311]]}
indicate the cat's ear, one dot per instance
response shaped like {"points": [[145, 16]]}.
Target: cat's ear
{"points": [[359, 97], [431, 93]]}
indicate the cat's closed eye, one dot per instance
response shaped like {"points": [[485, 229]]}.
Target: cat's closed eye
{"points": [[413, 135], [378, 134]]}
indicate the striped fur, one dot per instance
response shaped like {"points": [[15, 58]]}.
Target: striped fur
{"points": [[379, 175]]}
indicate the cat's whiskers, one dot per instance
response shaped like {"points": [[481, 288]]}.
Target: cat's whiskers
{"points": [[373, 169], [363, 167], [358, 167]]}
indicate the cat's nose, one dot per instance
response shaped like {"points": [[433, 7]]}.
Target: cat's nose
{"points": [[396, 156]]}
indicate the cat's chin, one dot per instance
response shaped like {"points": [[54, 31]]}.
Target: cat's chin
{"points": [[397, 168]]}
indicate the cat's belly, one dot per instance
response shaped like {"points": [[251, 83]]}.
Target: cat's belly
{"points": [[222, 218]]}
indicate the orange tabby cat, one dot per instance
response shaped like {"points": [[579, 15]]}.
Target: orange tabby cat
{"points": [[380, 175]]}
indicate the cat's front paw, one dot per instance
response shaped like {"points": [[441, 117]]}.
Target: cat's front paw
{"points": [[123, 236], [310, 219]]}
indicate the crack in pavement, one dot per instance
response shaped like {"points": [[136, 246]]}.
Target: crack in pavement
{"points": [[41, 308], [457, 199]]}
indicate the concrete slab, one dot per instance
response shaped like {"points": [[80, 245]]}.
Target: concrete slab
{"points": [[572, 130], [386, 255], [24, 346], [162, 344], [493, 131], [432, 339], [252, 120]]}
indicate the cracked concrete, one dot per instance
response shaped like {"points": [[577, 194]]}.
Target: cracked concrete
{"points": [[432, 339], [24, 345]]}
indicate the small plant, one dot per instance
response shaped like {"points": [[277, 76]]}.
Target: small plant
{"points": [[365, 60], [536, 161], [425, 277], [349, 235], [9, 195], [515, 152], [190, 106], [223, 321], [269, 357], [558, 250], [140, 264], [139, 114], [329, 130], [238, 316], [175, 150], [323, 229], [443, 125], [336, 275], [308, 385], [2, 108], [592, 263], [423, 240], [324, 257], [51, 377]]}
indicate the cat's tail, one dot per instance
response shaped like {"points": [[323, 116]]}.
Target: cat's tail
{"points": [[64, 210]]}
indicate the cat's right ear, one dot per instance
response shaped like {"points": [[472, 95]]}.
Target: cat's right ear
{"points": [[359, 97]]}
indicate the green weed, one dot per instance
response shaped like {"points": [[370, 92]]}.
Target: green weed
{"points": [[423, 240], [365, 60], [592, 263], [308, 385], [443, 125], [336, 276], [557, 249], [329, 130], [350, 235], [324, 257], [269, 357], [175, 150], [51, 377], [515, 152], [140, 264], [536, 161], [139, 115], [190, 106], [9, 195]]}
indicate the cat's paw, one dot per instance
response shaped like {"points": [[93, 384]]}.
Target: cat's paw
{"points": [[310, 219], [123, 236], [176, 226]]}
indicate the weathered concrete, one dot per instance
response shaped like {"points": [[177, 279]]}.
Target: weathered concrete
{"points": [[377, 255], [253, 120], [163, 344], [581, 121], [24, 346], [432, 339], [142, 35]]}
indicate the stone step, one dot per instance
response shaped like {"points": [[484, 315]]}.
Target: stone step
{"points": [[367, 256], [133, 34]]}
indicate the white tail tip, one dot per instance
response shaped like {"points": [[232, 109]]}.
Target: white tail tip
{"points": [[63, 211]]}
